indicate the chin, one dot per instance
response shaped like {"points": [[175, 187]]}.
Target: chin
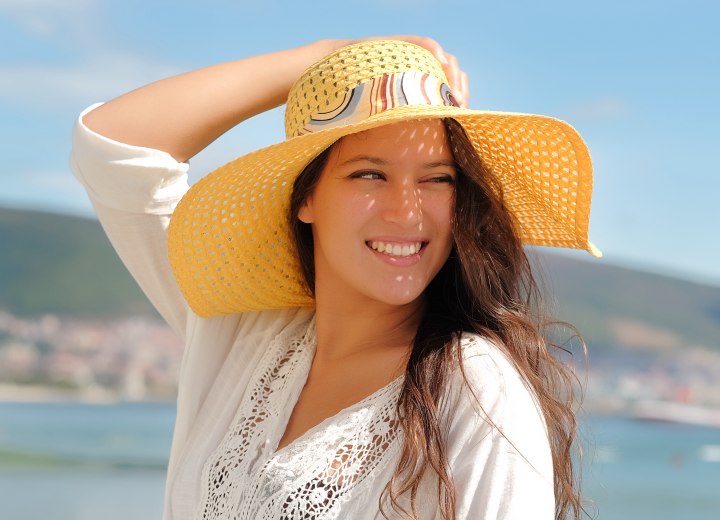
{"points": [[399, 298]]}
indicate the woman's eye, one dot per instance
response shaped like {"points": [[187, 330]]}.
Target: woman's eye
{"points": [[442, 179], [370, 175]]}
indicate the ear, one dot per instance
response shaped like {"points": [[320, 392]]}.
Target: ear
{"points": [[306, 213]]}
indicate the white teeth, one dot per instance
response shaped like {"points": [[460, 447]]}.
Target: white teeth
{"points": [[396, 249]]}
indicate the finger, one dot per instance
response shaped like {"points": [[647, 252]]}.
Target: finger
{"points": [[452, 71], [457, 79], [465, 89]]}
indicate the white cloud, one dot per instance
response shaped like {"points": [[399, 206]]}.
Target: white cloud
{"points": [[99, 69], [48, 18], [599, 110], [46, 86], [25, 5]]}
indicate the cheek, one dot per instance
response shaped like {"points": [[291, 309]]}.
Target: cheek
{"points": [[340, 215], [442, 210], [355, 208], [363, 204]]}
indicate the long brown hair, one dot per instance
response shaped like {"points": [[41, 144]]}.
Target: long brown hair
{"points": [[486, 287]]}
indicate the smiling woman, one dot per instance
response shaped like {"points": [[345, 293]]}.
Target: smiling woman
{"points": [[357, 306]]}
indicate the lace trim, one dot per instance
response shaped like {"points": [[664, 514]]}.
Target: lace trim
{"points": [[316, 474]]}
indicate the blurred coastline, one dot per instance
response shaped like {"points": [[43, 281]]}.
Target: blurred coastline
{"points": [[87, 360], [49, 359]]}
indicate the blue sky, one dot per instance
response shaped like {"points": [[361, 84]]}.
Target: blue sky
{"points": [[640, 80]]}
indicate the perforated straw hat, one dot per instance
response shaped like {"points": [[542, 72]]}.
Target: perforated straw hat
{"points": [[230, 243]]}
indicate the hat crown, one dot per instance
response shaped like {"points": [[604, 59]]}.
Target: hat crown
{"points": [[323, 86]]}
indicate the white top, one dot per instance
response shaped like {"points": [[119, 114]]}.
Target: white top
{"points": [[241, 376]]}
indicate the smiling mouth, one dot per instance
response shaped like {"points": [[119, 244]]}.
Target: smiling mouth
{"points": [[396, 249]]}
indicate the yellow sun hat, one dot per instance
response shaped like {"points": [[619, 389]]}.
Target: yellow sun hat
{"points": [[230, 244]]}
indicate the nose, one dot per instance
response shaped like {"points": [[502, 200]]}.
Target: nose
{"points": [[403, 204]]}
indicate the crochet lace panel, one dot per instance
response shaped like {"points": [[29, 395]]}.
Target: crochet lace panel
{"points": [[311, 478]]}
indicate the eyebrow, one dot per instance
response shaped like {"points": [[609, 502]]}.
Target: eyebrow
{"points": [[382, 162], [435, 164]]}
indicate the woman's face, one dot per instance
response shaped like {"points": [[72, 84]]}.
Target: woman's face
{"points": [[381, 212]]}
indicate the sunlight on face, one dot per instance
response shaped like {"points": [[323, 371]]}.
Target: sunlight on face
{"points": [[382, 212]]}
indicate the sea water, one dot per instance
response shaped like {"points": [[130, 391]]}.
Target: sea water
{"points": [[70, 461]]}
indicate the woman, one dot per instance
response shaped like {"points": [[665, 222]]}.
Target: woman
{"points": [[355, 301]]}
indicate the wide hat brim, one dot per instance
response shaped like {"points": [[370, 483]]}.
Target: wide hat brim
{"points": [[230, 244]]}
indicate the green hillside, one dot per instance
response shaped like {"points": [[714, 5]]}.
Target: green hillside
{"points": [[594, 295], [65, 265]]}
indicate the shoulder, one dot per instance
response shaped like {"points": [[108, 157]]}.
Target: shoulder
{"points": [[484, 356], [487, 396], [241, 340], [488, 372]]}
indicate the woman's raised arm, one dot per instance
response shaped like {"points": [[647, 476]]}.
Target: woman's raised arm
{"points": [[183, 114]]}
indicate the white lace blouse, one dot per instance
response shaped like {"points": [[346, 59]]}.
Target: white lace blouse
{"points": [[241, 376]]}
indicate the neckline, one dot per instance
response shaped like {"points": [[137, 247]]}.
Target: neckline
{"points": [[310, 340], [322, 425]]}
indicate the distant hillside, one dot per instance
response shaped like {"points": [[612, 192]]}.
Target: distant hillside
{"points": [[65, 265], [615, 305]]}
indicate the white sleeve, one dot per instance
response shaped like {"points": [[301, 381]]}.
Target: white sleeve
{"points": [[134, 191], [500, 454]]}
